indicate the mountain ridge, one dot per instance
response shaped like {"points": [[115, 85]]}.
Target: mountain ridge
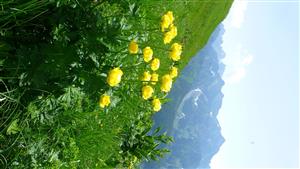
{"points": [[191, 116]]}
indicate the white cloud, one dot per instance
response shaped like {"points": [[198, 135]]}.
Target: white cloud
{"points": [[247, 60], [236, 65], [237, 13], [236, 76]]}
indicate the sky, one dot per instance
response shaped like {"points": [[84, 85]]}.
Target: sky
{"points": [[260, 112]]}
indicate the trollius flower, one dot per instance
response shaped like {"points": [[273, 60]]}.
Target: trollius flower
{"points": [[171, 16], [165, 22], [154, 78], [155, 64], [173, 72], [166, 83], [147, 92], [114, 77], [168, 37], [176, 50], [133, 47], [146, 76], [173, 30], [104, 101], [148, 54], [156, 104]]}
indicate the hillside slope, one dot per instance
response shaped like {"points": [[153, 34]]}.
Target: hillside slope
{"points": [[198, 19]]}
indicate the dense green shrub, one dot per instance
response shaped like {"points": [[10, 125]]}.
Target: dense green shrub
{"points": [[54, 59]]}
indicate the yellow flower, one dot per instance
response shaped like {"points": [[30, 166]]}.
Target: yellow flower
{"points": [[147, 92], [171, 17], [146, 76], [104, 100], [176, 46], [148, 53], [173, 30], [133, 47], [165, 22], [168, 36], [156, 104], [155, 64], [166, 83], [174, 72], [114, 77], [154, 78], [176, 50], [175, 55]]}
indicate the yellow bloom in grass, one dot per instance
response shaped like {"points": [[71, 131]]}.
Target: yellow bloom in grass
{"points": [[154, 78], [155, 64], [168, 36], [148, 54], [104, 100], [156, 104], [133, 47], [171, 16], [166, 83], [147, 92], [146, 76], [176, 46], [114, 77], [165, 22], [174, 72], [173, 30], [176, 50]]}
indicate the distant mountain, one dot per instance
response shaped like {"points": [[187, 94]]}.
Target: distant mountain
{"points": [[191, 115]]}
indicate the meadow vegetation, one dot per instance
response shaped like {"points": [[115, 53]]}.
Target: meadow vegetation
{"points": [[80, 80]]}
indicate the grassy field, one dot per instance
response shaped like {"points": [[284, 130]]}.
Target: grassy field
{"points": [[55, 59]]}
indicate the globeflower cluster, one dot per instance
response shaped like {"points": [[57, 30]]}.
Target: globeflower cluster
{"points": [[150, 77], [169, 31]]}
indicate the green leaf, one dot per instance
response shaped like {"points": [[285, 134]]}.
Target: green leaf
{"points": [[1, 62], [13, 127]]}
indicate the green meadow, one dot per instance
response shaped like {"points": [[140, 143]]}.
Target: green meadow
{"points": [[56, 57]]}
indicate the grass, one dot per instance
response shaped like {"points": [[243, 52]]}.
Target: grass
{"points": [[198, 23], [54, 59]]}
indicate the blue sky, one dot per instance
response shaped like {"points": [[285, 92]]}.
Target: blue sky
{"points": [[260, 112]]}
